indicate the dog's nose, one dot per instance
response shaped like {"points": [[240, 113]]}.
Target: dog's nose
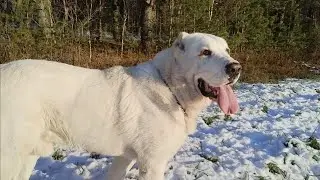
{"points": [[233, 69]]}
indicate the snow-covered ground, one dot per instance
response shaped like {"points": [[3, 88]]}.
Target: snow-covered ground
{"points": [[268, 139]]}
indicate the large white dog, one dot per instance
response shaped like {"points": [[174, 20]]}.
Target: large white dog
{"points": [[141, 113]]}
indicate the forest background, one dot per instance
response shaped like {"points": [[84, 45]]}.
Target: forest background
{"points": [[273, 39]]}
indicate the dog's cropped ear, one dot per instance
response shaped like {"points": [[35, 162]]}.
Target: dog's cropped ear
{"points": [[178, 42]]}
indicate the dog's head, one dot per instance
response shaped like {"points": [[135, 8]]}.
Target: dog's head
{"points": [[205, 59]]}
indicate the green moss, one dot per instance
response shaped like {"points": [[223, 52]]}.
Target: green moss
{"points": [[274, 169], [265, 109], [261, 178], [228, 118], [57, 155], [316, 158], [209, 120], [213, 159], [312, 142]]}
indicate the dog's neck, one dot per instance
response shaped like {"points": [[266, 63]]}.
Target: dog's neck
{"points": [[182, 88]]}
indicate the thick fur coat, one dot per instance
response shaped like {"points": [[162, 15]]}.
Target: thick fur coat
{"points": [[137, 114]]}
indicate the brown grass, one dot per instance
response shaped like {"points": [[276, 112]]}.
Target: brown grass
{"points": [[267, 66], [72, 53], [272, 65]]}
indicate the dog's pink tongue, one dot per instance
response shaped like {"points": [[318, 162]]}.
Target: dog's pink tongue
{"points": [[227, 100]]}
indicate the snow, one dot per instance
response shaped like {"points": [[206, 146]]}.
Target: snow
{"points": [[273, 126]]}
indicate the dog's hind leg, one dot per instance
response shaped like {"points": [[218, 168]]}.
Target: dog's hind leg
{"points": [[28, 166], [17, 167], [120, 166]]}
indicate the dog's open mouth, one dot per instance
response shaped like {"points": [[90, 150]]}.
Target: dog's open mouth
{"points": [[223, 94]]}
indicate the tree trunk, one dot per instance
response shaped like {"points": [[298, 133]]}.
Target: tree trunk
{"points": [[171, 8], [116, 20], [45, 20], [124, 20], [211, 11], [66, 16], [45, 16], [122, 33], [147, 20], [100, 21]]}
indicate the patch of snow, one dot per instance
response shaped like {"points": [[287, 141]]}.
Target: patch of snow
{"points": [[273, 126]]}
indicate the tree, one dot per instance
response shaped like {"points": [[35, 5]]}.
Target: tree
{"points": [[147, 20], [45, 16], [116, 19]]}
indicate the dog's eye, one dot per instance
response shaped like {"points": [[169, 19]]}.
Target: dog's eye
{"points": [[206, 52]]}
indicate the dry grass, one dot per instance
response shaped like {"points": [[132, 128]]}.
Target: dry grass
{"points": [[75, 54], [267, 66], [272, 65]]}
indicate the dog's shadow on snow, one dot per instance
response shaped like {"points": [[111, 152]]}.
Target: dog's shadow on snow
{"points": [[262, 145], [72, 167]]}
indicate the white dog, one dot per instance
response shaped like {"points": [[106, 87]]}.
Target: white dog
{"points": [[141, 113]]}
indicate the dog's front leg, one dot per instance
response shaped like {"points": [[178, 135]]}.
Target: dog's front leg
{"points": [[152, 170], [120, 166]]}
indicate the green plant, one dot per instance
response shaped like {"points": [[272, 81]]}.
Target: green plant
{"points": [[274, 169], [292, 142], [209, 120], [57, 155], [312, 142], [265, 109], [228, 118], [316, 158], [298, 113], [213, 159], [261, 178], [94, 155]]}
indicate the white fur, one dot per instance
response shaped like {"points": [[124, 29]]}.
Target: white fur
{"points": [[129, 112]]}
